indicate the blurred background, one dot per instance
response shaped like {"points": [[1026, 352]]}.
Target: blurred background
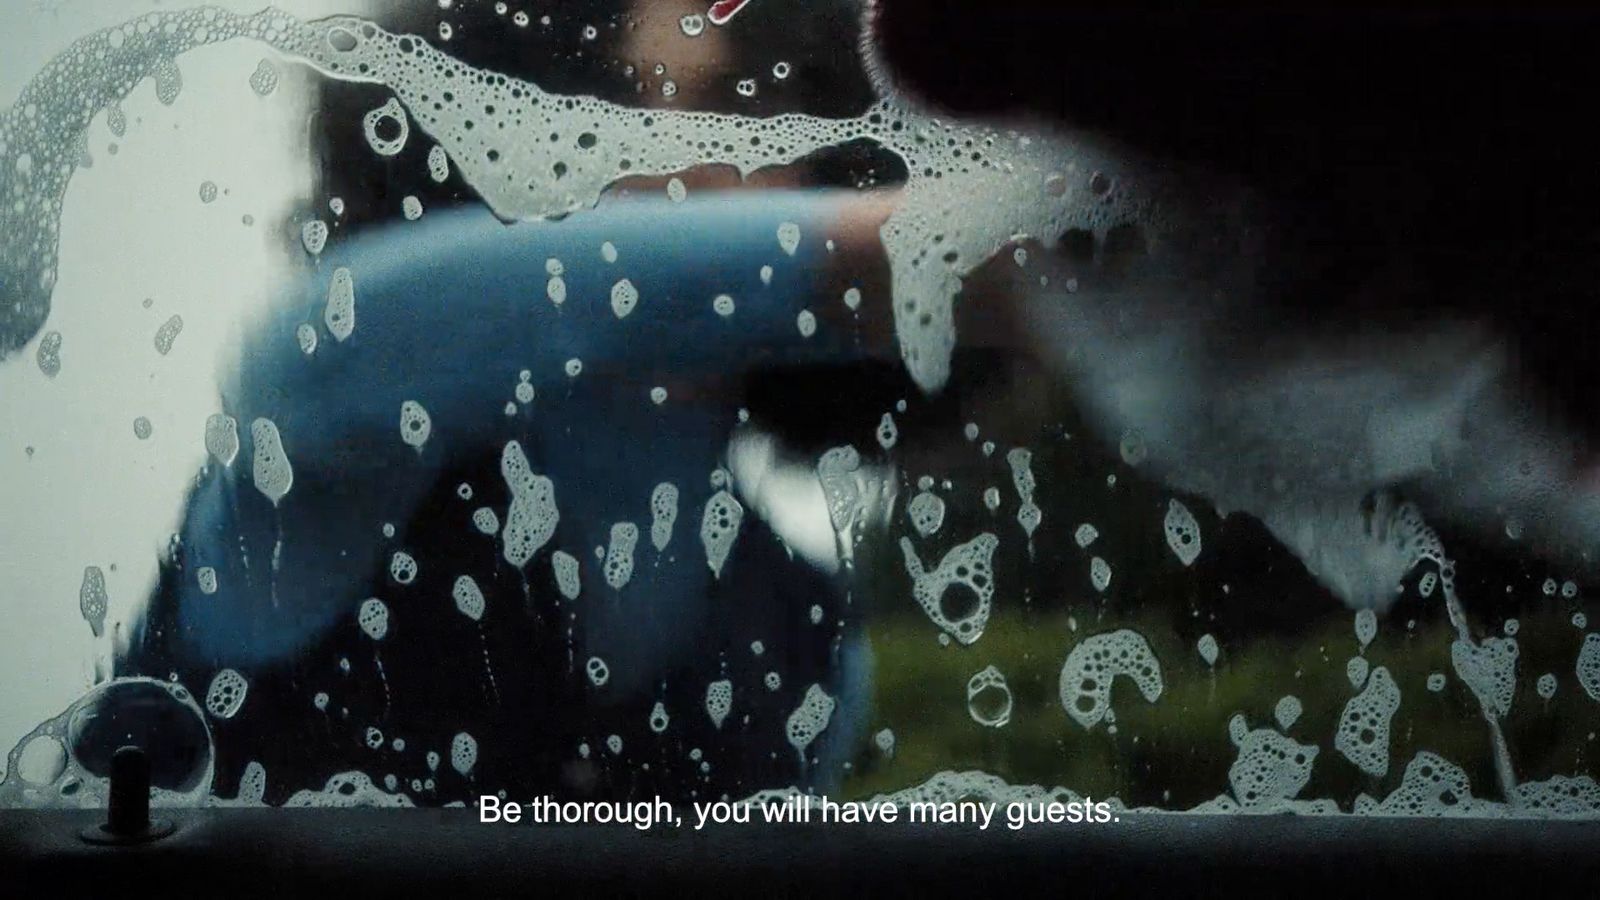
{"points": [[138, 246]]}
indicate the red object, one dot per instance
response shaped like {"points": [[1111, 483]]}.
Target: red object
{"points": [[723, 10]]}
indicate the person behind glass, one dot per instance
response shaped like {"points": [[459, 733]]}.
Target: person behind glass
{"points": [[455, 313]]}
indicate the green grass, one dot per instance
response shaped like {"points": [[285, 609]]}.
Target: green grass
{"points": [[1176, 752]]}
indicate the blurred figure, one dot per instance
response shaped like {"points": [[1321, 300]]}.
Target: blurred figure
{"points": [[460, 314]]}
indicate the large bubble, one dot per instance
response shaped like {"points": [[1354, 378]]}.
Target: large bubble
{"points": [[66, 761]]}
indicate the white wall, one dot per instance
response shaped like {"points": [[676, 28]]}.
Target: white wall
{"points": [[133, 227]]}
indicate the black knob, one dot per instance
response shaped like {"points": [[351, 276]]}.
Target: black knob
{"points": [[128, 807], [128, 803]]}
